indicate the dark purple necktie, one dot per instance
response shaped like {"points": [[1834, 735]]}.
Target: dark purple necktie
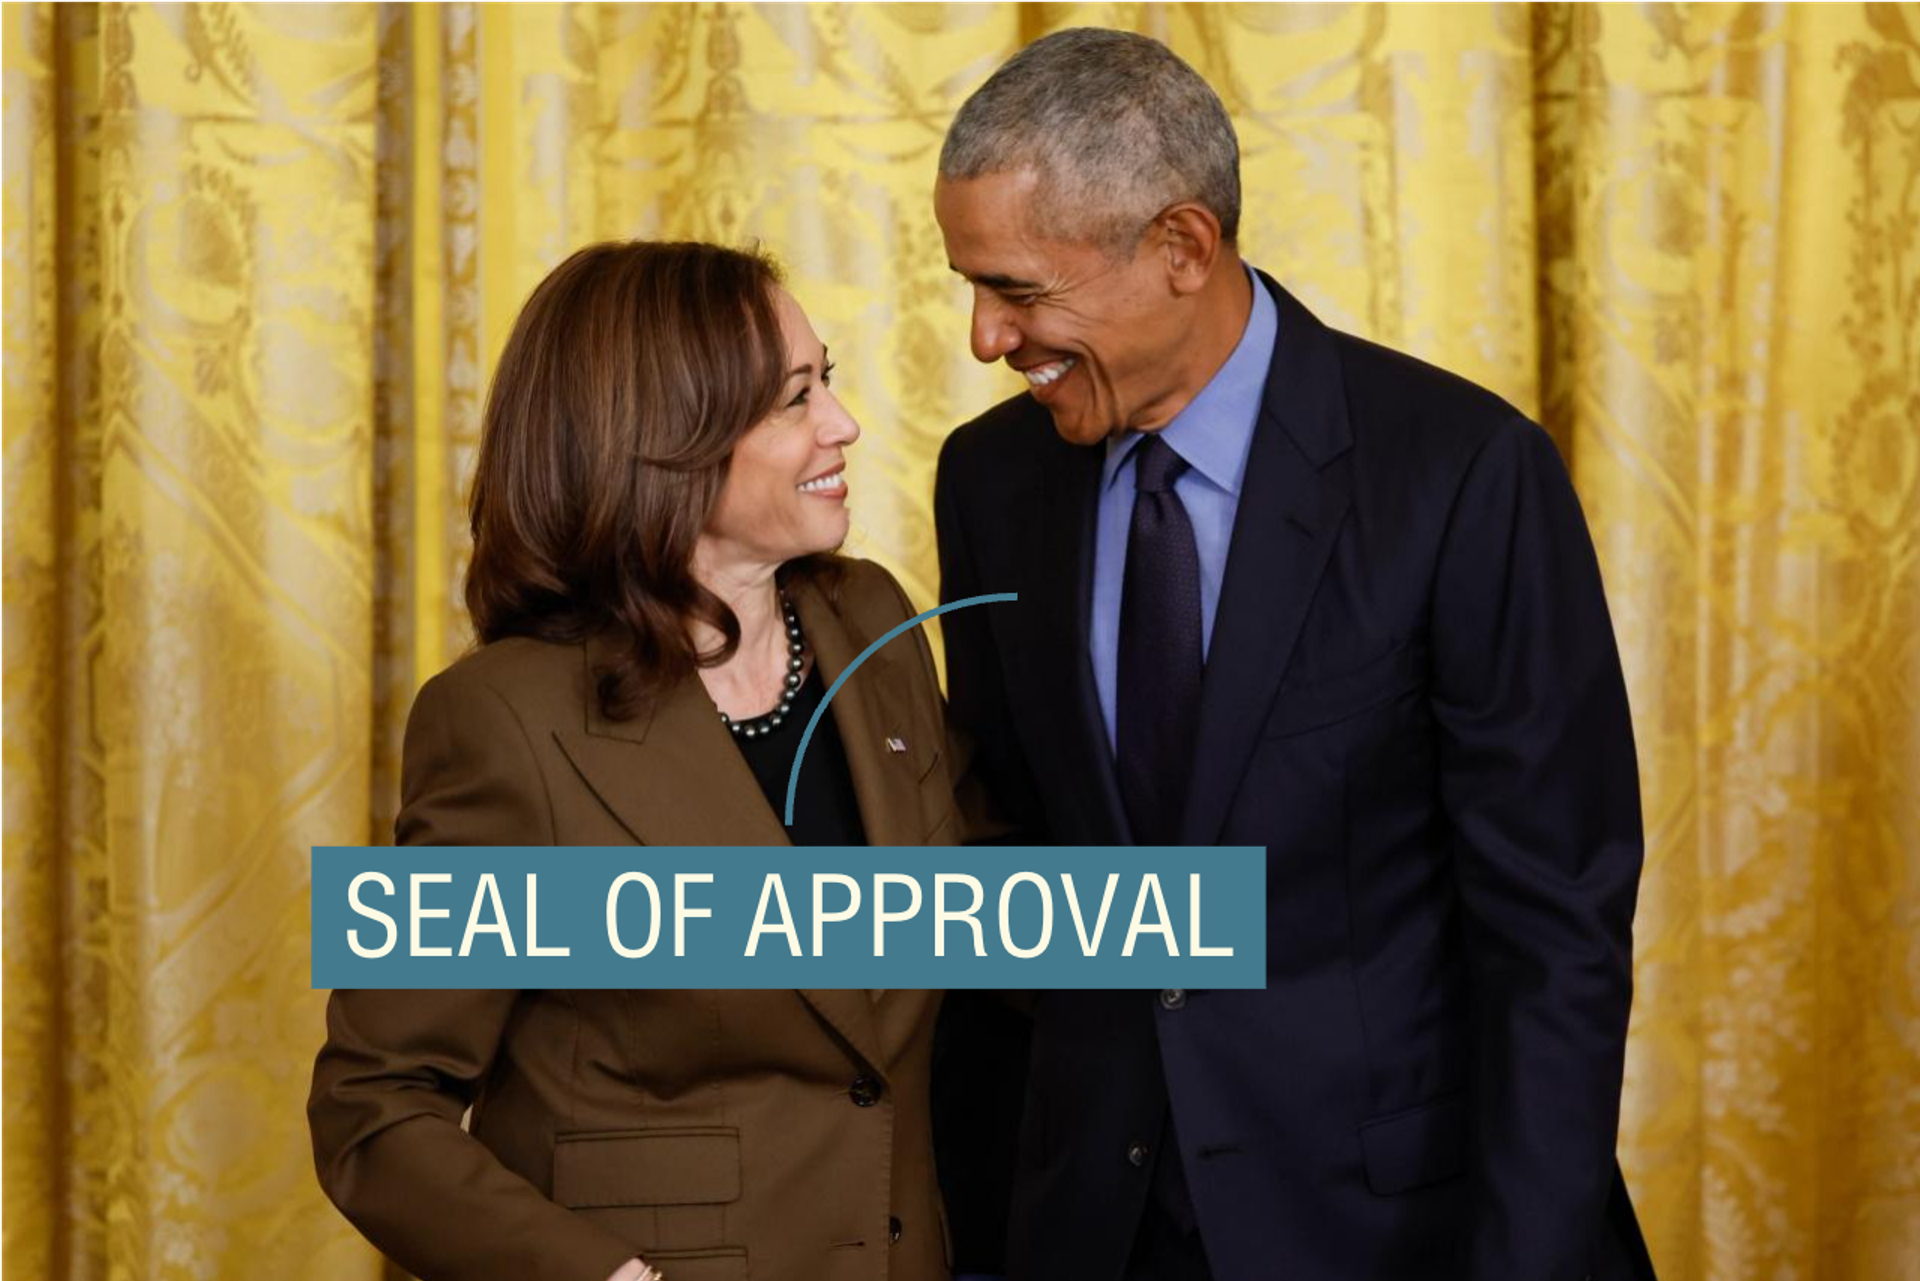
{"points": [[1158, 692]]}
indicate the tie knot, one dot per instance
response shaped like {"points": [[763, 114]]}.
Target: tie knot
{"points": [[1156, 466]]}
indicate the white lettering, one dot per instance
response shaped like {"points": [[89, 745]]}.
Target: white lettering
{"points": [[941, 915], [487, 890], [820, 914], [881, 916], [1089, 946], [1150, 884], [1046, 914], [776, 891], [533, 924], [419, 913], [353, 901], [613, 914], [1194, 946], [680, 909]]}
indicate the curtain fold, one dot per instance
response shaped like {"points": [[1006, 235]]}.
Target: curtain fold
{"points": [[260, 261]]}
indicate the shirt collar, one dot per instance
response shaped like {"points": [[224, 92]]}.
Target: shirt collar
{"points": [[1214, 430]]}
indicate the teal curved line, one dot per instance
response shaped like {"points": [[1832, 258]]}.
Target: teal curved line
{"points": [[793, 779]]}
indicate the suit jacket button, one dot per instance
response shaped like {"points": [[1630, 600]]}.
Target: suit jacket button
{"points": [[865, 1091], [1173, 998], [1136, 1153], [893, 1229]]}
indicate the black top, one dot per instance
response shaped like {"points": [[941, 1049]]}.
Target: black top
{"points": [[825, 811]]}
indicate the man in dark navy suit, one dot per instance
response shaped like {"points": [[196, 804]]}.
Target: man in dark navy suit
{"points": [[1278, 587]]}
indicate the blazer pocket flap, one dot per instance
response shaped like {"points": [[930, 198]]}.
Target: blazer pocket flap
{"points": [[690, 1166], [1325, 700], [1413, 1148]]}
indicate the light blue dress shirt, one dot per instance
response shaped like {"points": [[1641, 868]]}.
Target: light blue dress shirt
{"points": [[1213, 433]]}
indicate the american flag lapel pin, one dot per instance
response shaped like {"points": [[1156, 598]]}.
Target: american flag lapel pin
{"points": [[896, 744]]}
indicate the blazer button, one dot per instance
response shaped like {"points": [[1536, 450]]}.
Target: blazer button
{"points": [[1173, 998], [1136, 1153], [893, 1229], [865, 1091]]}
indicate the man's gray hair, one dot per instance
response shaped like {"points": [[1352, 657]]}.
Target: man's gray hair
{"points": [[1115, 126]]}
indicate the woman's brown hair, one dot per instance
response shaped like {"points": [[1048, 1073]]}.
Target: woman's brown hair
{"points": [[630, 375]]}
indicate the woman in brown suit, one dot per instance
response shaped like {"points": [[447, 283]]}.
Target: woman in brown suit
{"points": [[659, 496]]}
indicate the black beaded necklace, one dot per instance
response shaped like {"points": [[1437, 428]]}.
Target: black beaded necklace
{"points": [[757, 726]]}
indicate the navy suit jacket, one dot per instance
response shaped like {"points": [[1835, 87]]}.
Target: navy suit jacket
{"points": [[1413, 701]]}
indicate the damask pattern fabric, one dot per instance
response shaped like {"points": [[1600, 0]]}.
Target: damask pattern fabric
{"points": [[259, 261]]}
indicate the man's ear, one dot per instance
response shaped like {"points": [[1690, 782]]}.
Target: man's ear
{"points": [[1190, 242]]}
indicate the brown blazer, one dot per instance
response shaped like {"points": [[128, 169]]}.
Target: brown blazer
{"points": [[781, 1136]]}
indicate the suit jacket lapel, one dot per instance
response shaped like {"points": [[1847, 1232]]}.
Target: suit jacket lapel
{"points": [[671, 775], [1292, 503], [1061, 691]]}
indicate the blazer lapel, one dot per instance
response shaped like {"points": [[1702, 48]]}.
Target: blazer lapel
{"points": [[872, 708], [1292, 504], [868, 710], [876, 1030], [1060, 691], [849, 1011], [671, 775]]}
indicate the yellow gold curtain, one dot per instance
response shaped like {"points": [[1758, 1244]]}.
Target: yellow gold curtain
{"points": [[258, 261]]}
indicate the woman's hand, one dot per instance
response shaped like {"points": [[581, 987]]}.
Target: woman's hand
{"points": [[633, 1270]]}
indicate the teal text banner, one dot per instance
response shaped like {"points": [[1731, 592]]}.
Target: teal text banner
{"points": [[821, 917]]}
